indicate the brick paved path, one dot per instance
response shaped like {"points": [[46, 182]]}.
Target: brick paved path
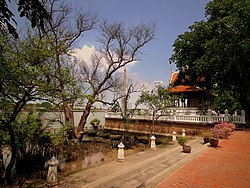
{"points": [[225, 166]]}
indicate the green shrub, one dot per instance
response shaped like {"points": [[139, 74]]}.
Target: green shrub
{"points": [[115, 137], [182, 140], [92, 133], [143, 139], [106, 135]]}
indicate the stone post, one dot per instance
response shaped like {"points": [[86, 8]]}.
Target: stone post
{"points": [[52, 172], [183, 132], [242, 116], [174, 136], [209, 118], [121, 152], [226, 116], [174, 114], [6, 152], [152, 139]]}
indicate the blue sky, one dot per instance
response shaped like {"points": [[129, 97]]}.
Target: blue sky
{"points": [[172, 17]]}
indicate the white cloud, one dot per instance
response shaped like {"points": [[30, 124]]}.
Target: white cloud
{"points": [[87, 51], [84, 53]]}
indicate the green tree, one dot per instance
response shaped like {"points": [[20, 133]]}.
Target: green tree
{"points": [[156, 101], [23, 67], [225, 100], [62, 31], [218, 49], [34, 144], [33, 10]]}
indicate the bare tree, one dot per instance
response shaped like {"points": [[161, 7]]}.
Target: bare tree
{"points": [[62, 31], [119, 47]]}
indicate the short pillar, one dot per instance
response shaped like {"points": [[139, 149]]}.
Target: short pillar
{"points": [[183, 132], [121, 152], [243, 116], [226, 116], [209, 116], [52, 172], [152, 139], [6, 152], [173, 136]]}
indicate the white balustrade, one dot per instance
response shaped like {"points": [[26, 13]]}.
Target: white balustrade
{"points": [[188, 118]]}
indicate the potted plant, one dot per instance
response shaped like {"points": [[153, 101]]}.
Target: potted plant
{"points": [[207, 135], [214, 142], [95, 123], [217, 134], [182, 142]]}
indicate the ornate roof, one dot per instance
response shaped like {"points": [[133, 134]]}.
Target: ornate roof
{"points": [[181, 88]]}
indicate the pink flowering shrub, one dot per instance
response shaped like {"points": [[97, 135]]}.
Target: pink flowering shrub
{"points": [[222, 130], [232, 126], [218, 133]]}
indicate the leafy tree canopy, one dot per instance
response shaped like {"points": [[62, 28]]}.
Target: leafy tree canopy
{"points": [[32, 10], [157, 100], [218, 49]]}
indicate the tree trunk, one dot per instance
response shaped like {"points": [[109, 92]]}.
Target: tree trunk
{"points": [[69, 118], [8, 173], [83, 120], [68, 113]]}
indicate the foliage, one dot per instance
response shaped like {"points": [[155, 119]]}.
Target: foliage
{"points": [[62, 31], [95, 122], [156, 101], [92, 133], [143, 139], [226, 100], [106, 135], [30, 133], [115, 137], [32, 10], [23, 67], [207, 134], [35, 144], [222, 130], [218, 50], [182, 140]]}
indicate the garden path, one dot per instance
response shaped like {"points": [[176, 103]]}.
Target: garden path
{"points": [[226, 166]]}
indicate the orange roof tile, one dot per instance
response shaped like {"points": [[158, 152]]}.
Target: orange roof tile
{"points": [[182, 88], [173, 77]]}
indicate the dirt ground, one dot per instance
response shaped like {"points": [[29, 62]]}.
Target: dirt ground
{"points": [[96, 159]]}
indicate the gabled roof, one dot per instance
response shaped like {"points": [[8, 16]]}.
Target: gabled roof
{"points": [[181, 88], [173, 77]]}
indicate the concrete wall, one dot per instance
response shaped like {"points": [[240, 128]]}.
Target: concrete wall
{"points": [[160, 127], [56, 118]]}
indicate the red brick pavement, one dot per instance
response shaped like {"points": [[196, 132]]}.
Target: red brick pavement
{"points": [[225, 166]]}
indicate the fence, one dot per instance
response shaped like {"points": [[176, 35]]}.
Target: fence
{"points": [[208, 118]]}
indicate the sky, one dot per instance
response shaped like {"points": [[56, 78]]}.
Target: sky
{"points": [[172, 18]]}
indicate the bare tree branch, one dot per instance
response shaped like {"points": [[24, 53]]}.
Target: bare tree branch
{"points": [[119, 47]]}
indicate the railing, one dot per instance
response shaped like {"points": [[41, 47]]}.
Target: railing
{"points": [[209, 118]]}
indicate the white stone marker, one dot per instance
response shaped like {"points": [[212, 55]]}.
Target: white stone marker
{"points": [[6, 152], [174, 136], [52, 172], [121, 152], [152, 139], [183, 132]]}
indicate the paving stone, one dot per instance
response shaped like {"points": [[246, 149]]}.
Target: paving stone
{"points": [[225, 166]]}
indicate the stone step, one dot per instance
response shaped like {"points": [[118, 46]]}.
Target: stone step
{"points": [[144, 169]]}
